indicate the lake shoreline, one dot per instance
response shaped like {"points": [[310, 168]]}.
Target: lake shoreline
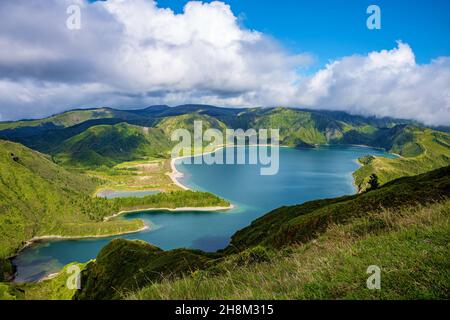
{"points": [[45, 238], [38, 239], [181, 209], [121, 213]]}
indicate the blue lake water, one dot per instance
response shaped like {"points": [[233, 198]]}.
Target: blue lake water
{"points": [[304, 174]]}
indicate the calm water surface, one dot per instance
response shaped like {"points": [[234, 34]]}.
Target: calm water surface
{"points": [[304, 175]]}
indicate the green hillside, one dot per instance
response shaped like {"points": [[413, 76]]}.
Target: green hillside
{"points": [[296, 127], [301, 223], [37, 197], [54, 289], [299, 127], [186, 121], [405, 211], [421, 149], [108, 145], [410, 246], [144, 263]]}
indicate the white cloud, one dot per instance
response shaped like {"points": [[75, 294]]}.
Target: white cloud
{"points": [[133, 53], [386, 83]]}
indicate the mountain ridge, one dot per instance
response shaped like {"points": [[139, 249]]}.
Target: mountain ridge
{"points": [[298, 128]]}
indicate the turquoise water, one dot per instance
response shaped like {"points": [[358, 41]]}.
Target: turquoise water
{"points": [[112, 194], [304, 175]]}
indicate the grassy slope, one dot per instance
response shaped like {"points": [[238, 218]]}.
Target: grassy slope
{"points": [[296, 127], [422, 150], [409, 245], [281, 229], [108, 145], [37, 198], [186, 121], [138, 262]]}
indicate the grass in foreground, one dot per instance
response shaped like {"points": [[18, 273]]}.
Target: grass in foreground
{"points": [[411, 246]]}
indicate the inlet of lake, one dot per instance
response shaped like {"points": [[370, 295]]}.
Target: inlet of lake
{"points": [[304, 174]]}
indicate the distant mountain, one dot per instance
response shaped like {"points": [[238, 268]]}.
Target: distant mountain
{"points": [[186, 121], [69, 118], [298, 127], [105, 137], [108, 145]]}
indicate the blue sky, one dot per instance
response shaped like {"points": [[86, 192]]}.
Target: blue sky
{"points": [[330, 28]]}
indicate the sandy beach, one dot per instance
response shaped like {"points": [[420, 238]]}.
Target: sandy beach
{"points": [[175, 174]]}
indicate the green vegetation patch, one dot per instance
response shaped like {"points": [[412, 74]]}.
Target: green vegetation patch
{"points": [[172, 200]]}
